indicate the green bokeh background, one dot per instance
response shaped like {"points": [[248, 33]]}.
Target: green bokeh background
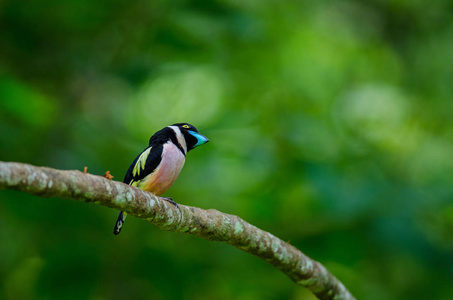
{"points": [[331, 126]]}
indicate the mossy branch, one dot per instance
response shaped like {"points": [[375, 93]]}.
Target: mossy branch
{"points": [[209, 224]]}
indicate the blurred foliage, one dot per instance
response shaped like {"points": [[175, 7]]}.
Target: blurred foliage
{"points": [[331, 125]]}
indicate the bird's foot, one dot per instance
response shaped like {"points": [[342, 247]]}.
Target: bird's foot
{"points": [[168, 199]]}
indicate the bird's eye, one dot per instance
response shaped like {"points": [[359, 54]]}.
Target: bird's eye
{"points": [[186, 126]]}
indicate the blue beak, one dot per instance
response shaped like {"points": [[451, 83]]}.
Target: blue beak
{"points": [[200, 138]]}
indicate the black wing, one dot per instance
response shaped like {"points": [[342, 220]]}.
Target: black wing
{"points": [[144, 164]]}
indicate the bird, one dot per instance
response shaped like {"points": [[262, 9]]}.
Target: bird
{"points": [[157, 167]]}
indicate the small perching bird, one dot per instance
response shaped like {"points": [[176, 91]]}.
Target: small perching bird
{"points": [[158, 166]]}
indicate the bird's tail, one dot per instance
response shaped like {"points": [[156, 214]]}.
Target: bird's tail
{"points": [[119, 222]]}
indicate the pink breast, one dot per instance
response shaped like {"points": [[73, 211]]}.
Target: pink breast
{"points": [[166, 174]]}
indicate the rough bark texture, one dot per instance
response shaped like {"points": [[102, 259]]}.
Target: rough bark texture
{"points": [[208, 224]]}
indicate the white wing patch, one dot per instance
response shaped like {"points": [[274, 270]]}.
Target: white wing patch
{"points": [[141, 161]]}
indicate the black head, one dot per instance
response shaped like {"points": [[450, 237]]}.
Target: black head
{"points": [[185, 126], [192, 137]]}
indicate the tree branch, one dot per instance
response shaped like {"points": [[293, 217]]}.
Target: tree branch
{"points": [[209, 224]]}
